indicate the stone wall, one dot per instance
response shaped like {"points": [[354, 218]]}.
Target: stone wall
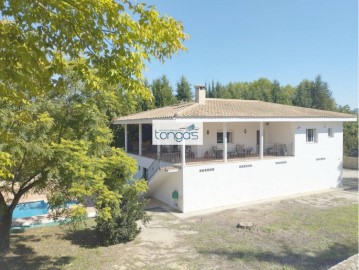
{"points": [[350, 163]]}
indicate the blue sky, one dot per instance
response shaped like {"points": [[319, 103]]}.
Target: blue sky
{"points": [[286, 40]]}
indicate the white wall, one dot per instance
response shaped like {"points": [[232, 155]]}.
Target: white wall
{"points": [[248, 138], [142, 162], [163, 184], [282, 133], [315, 166], [325, 146], [229, 184]]}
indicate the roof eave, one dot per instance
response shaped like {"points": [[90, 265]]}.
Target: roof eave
{"points": [[237, 119]]}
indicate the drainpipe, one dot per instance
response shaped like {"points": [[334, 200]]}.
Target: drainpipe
{"points": [[140, 139], [225, 142], [126, 150], [261, 140]]}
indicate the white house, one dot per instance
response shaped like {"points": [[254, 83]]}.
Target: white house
{"points": [[270, 150]]}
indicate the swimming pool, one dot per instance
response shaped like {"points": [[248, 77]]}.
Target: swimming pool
{"points": [[31, 209]]}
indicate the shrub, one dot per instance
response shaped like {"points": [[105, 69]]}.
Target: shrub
{"points": [[124, 226]]}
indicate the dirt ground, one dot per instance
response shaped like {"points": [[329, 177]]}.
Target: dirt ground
{"points": [[308, 232]]}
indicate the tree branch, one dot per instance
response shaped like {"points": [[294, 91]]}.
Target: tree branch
{"points": [[17, 176], [23, 185], [75, 6], [21, 192]]}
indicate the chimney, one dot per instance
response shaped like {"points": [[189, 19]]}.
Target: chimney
{"points": [[200, 94]]}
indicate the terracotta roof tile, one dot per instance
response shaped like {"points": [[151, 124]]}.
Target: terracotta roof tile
{"points": [[232, 108]]}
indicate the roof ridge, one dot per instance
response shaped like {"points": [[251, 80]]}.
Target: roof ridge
{"points": [[232, 99], [280, 104]]}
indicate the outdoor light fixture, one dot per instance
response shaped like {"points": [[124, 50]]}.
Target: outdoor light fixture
{"points": [[245, 130], [207, 131]]}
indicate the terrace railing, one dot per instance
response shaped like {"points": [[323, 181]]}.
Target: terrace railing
{"points": [[154, 167], [215, 153], [279, 149]]}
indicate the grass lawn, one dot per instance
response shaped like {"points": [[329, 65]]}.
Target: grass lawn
{"points": [[314, 232], [292, 236]]}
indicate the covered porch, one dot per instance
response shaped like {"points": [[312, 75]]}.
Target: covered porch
{"points": [[222, 142]]}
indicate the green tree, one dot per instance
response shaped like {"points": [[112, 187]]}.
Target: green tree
{"points": [[261, 89], [162, 92], [281, 95], [314, 94], [66, 67], [321, 95], [222, 91], [213, 90], [184, 90], [144, 103], [302, 97], [350, 134], [288, 94]]}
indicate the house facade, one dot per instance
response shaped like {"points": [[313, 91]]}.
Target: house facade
{"points": [[251, 150]]}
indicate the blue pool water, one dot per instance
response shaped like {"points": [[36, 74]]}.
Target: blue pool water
{"points": [[30, 209]]}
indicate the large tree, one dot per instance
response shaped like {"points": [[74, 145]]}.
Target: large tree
{"points": [[314, 94], [66, 67], [321, 95], [162, 92], [184, 92], [350, 133]]}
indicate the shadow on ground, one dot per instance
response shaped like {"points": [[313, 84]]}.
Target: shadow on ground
{"points": [[23, 256], [156, 210], [350, 184], [86, 238], [287, 257]]}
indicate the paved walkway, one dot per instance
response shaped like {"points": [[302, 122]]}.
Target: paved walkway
{"points": [[349, 264]]}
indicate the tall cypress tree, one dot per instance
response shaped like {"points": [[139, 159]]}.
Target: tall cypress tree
{"points": [[184, 92], [321, 95], [214, 93], [162, 92]]}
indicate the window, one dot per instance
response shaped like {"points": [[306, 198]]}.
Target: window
{"points": [[220, 137], [311, 135], [330, 132]]}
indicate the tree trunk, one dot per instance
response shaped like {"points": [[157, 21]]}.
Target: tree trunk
{"points": [[5, 226]]}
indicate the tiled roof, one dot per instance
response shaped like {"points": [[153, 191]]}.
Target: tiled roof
{"points": [[231, 108]]}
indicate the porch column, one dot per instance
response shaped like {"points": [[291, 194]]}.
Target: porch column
{"points": [[261, 140], [140, 139], [126, 150], [183, 153], [225, 142], [158, 151]]}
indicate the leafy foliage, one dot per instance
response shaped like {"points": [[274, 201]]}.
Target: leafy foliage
{"points": [[350, 134], [123, 227], [314, 94], [261, 89], [67, 67]]}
